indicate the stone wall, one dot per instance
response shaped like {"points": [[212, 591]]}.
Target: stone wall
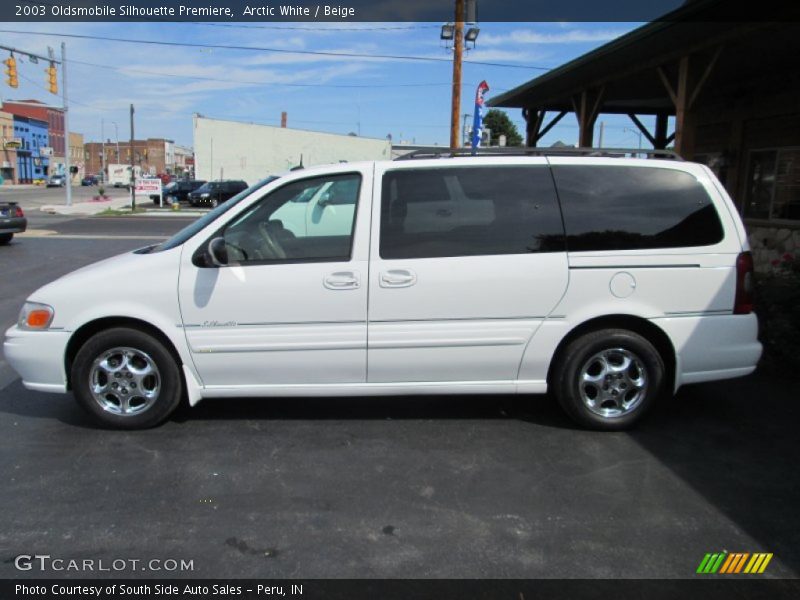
{"points": [[770, 245]]}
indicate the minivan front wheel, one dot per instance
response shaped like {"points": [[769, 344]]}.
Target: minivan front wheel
{"points": [[126, 379], [609, 379]]}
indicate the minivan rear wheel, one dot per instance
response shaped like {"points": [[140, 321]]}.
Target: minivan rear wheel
{"points": [[608, 379], [126, 379]]}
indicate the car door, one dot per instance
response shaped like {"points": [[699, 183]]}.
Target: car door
{"points": [[466, 262], [288, 309]]}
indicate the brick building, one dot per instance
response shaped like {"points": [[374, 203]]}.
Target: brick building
{"points": [[53, 116], [153, 155]]}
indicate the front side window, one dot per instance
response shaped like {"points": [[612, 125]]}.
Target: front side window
{"points": [[469, 211], [307, 220], [633, 208]]}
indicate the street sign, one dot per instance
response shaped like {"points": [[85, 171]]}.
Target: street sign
{"points": [[149, 186]]}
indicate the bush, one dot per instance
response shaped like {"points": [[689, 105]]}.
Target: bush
{"points": [[778, 308]]}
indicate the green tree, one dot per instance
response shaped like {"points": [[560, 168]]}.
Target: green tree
{"points": [[500, 124]]}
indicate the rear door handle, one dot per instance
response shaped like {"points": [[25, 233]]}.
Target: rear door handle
{"points": [[342, 280], [396, 278]]}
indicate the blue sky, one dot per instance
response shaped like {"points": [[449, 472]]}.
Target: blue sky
{"points": [[410, 100]]}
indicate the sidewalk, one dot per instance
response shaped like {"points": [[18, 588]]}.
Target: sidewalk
{"points": [[122, 203], [86, 208]]}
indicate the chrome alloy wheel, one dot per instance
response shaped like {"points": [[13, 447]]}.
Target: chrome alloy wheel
{"points": [[612, 382], [124, 381]]}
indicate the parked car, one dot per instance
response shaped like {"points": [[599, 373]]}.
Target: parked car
{"points": [[608, 282], [57, 181], [89, 180], [12, 220], [178, 191], [214, 193]]}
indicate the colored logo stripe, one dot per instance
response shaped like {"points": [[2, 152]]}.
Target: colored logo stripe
{"points": [[725, 563], [758, 564]]}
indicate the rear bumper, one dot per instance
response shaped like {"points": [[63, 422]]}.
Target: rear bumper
{"points": [[715, 347], [13, 224], [38, 357]]}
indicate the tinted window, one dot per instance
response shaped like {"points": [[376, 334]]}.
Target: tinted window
{"points": [[469, 211], [627, 208]]}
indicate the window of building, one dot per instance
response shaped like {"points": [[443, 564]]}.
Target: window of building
{"points": [[469, 211], [630, 208], [773, 184]]}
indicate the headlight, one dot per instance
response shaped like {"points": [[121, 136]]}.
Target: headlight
{"points": [[35, 316]]}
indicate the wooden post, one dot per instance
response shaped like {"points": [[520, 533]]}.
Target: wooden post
{"points": [[587, 108], [458, 53], [661, 131], [684, 118]]}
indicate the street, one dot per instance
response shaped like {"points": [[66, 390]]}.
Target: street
{"points": [[461, 487]]}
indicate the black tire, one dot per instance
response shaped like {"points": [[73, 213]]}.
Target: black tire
{"points": [[602, 354], [168, 380], [5, 238]]}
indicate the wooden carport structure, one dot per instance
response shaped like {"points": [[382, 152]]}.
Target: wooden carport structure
{"points": [[670, 68]]}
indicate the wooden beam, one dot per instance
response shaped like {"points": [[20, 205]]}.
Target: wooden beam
{"points": [[684, 118], [551, 124], [665, 80], [643, 129], [670, 139], [661, 131], [699, 85], [598, 101]]}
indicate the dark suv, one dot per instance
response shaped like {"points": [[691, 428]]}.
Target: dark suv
{"points": [[214, 193], [178, 190]]}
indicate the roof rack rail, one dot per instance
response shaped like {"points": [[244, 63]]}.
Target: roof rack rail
{"points": [[423, 153]]}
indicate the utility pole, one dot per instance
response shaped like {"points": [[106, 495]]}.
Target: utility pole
{"points": [[103, 151], [116, 135], [133, 172], [68, 177], [458, 55]]}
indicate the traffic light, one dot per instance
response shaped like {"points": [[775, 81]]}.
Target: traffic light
{"points": [[11, 71], [52, 76]]}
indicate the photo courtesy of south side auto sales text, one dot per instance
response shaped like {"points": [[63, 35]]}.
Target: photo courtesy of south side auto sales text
{"points": [[182, 11], [145, 590]]}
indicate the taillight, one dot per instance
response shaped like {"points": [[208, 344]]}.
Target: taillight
{"points": [[19, 212], [744, 284]]}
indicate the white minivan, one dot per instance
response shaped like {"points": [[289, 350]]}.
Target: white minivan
{"points": [[607, 281]]}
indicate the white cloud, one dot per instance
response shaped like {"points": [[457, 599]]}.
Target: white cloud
{"points": [[530, 36]]}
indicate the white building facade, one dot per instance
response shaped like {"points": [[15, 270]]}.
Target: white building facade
{"points": [[251, 152]]}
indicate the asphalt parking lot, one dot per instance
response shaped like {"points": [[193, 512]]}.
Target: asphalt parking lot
{"points": [[461, 487]]}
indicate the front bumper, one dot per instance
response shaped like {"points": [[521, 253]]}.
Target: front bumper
{"points": [[13, 224], [38, 357]]}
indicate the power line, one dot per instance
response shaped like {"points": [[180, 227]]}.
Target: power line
{"points": [[276, 50], [317, 28], [272, 83]]}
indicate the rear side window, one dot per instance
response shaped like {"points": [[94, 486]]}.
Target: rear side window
{"points": [[630, 208], [469, 211]]}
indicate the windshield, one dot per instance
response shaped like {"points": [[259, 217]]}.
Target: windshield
{"points": [[206, 187], [198, 225], [171, 185]]}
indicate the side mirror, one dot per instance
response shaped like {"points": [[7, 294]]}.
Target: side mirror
{"points": [[218, 252], [325, 200]]}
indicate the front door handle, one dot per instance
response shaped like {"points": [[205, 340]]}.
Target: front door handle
{"points": [[342, 280], [396, 278]]}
